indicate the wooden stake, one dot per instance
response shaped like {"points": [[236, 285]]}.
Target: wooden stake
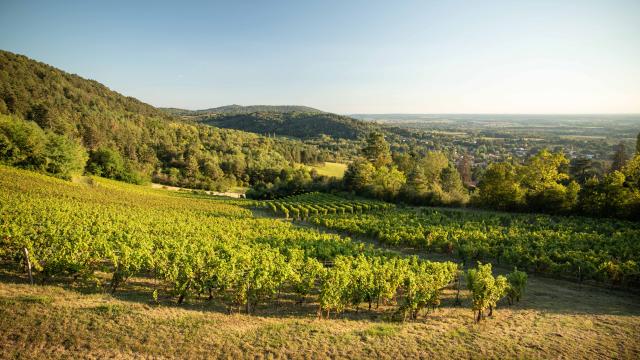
{"points": [[26, 258]]}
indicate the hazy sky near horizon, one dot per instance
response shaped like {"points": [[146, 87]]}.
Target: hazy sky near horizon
{"points": [[345, 56]]}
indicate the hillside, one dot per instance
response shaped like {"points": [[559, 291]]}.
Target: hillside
{"points": [[84, 306], [129, 140], [303, 125], [239, 109]]}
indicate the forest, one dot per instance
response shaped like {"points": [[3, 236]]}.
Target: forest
{"points": [[126, 139]]}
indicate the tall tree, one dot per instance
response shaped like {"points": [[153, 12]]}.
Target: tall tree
{"points": [[638, 145], [499, 188], [632, 172], [583, 169], [416, 188], [464, 168], [387, 182], [359, 175], [619, 158], [377, 150], [404, 161], [544, 177], [544, 170], [433, 163], [452, 186]]}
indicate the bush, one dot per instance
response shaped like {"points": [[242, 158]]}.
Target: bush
{"points": [[517, 283], [24, 144], [108, 163]]}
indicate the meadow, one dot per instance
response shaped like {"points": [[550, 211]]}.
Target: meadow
{"points": [[331, 169]]}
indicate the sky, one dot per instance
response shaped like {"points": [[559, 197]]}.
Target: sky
{"points": [[345, 56]]}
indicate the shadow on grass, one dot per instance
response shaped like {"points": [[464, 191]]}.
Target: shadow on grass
{"points": [[140, 290], [542, 295], [545, 292]]}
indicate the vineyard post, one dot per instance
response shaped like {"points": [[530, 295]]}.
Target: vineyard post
{"points": [[458, 302], [28, 264], [579, 275]]}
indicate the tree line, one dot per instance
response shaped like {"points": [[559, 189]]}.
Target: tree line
{"points": [[546, 182]]}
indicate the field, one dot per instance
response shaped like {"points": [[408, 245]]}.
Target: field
{"points": [[165, 250], [331, 169]]}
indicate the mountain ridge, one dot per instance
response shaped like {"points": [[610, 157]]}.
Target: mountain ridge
{"points": [[242, 109]]}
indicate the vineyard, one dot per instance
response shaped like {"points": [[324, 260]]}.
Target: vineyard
{"points": [[123, 270], [197, 246], [581, 248], [303, 206]]}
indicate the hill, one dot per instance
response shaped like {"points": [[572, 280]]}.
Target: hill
{"points": [[303, 125], [127, 139], [239, 109]]}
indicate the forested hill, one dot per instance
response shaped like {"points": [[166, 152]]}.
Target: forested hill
{"points": [[303, 125], [44, 110], [239, 109], [32, 89]]}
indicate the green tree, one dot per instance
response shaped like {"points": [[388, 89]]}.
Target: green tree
{"points": [[416, 188], [619, 158], [499, 188], [41, 114], [22, 143], [106, 162], [359, 175], [192, 167], [433, 163], [386, 183], [583, 169], [65, 157], [608, 197], [4, 110], [404, 161], [543, 178], [544, 170], [464, 168], [453, 189], [632, 172], [377, 150]]}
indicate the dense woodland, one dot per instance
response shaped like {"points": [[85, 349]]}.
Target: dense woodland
{"points": [[294, 124], [239, 109], [126, 139]]}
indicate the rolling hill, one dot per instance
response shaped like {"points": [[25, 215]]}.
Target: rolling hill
{"points": [[239, 109], [303, 125], [131, 135]]}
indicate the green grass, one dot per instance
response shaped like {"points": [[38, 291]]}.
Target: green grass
{"points": [[381, 330], [331, 169]]}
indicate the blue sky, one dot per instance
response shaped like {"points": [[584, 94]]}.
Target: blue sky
{"points": [[345, 56]]}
